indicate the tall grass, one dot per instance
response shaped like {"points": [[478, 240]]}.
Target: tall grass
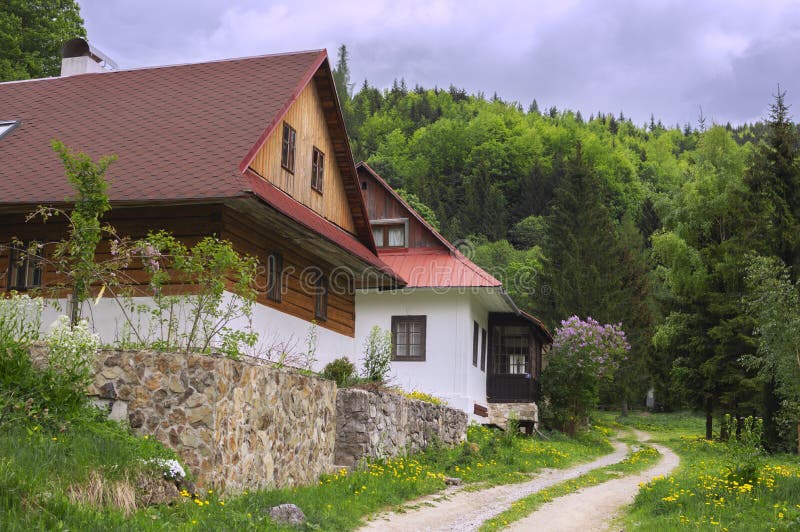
{"points": [[707, 491]]}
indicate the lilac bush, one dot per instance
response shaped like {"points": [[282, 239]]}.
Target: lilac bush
{"points": [[584, 354], [588, 344]]}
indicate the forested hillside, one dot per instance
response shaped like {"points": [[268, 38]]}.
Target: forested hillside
{"points": [[647, 225]]}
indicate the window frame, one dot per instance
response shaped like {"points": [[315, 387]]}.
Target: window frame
{"points": [[384, 226], [288, 147], [423, 320], [30, 271], [318, 170], [275, 277], [321, 298], [484, 341], [476, 331], [12, 125]]}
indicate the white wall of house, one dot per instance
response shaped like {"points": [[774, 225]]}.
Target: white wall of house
{"points": [[447, 371], [278, 332]]}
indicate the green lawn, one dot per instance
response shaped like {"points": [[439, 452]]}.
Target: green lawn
{"points": [[712, 488], [42, 465]]}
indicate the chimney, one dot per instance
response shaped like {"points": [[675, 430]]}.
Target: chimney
{"points": [[80, 57]]}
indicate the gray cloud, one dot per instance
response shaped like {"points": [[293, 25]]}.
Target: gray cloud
{"points": [[662, 57]]}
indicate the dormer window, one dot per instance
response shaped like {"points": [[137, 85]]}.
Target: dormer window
{"points": [[390, 233], [7, 126], [288, 147]]}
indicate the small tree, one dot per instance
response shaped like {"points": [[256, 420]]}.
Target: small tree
{"points": [[76, 254], [377, 354], [584, 354]]}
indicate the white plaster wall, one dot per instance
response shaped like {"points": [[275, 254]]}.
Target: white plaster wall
{"points": [[278, 332], [447, 371], [476, 379]]}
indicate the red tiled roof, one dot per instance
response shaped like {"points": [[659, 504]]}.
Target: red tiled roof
{"points": [[180, 132], [434, 268]]}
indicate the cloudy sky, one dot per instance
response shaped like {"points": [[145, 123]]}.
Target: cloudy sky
{"points": [[653, 56]]}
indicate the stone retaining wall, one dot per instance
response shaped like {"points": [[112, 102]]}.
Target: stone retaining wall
{"points": [[383, 424], [235, 424]]}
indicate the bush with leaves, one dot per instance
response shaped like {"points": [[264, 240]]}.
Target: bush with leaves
{"points": [[221, 283], [71, 352], [584, 354], [377, 354], [20, 318], [340, 370]]}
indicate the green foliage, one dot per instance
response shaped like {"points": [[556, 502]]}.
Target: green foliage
{"points": [[774, 302], [377, 354], [51, 391], [702, 493], [584, 355], [426, 397], [745, 453], [423, 210], [75, 256], [209, 317], [71, 350], [340, 370], [339, 501], [31, 35], [20, 319]]}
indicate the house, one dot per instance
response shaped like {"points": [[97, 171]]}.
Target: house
{"points": [[252, 150], [456, 333]]}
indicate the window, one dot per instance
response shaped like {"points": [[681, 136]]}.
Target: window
{"points": [[7, 126], [321, 298], [363, 185], [408, 337], [275, 277], [287, 152], [476, 330], [483, 350], [511, 350], [317, 170], [25, 266], [389, 235]]}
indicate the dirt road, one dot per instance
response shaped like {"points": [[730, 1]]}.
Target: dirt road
{"points": [[592, 508], [464, 511], [595, 508]]}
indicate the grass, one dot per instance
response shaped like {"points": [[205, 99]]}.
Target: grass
{"points": [[638, 460], [78, 471], [35, 476], [704, 494]]}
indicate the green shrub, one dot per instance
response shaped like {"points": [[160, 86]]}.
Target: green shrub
{"points": [[340, 370], [71, 352], [20, 318], [377, 354]]}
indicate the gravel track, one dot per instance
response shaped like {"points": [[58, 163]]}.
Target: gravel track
{"points": [[598, 505], [455, 509]]}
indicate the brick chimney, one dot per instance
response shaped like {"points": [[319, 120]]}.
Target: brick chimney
{"points": [[79, 57]]}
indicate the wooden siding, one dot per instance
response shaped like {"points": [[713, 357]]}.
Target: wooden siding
{"points": [[189, 223], [299, 264], [307, 118], [381, 205]]}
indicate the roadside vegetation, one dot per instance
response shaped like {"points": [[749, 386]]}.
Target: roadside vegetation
{"points": [[720, 485], [637, 460], [62, 466]]}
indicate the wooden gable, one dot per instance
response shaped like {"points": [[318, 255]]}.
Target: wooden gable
{"points": [[307, 118], [384, 204]]}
